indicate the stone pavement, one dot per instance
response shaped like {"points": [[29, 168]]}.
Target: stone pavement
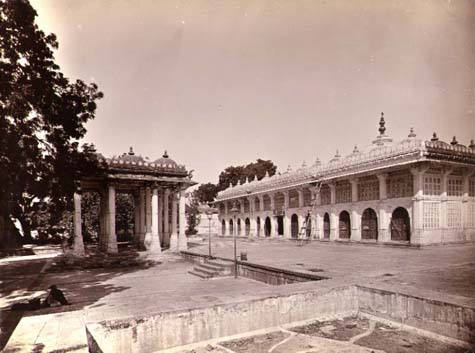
{"points": [[446, 269], [443, 271]]}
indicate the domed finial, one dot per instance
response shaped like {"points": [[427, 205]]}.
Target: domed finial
{"points": [[131, 151], [317, 162], [356, 150], [267, 174], [230, 185], [247, 180], [411, 133], [472, 144], [382, 128], [434, 137], [454, 141], [165, 154], [337, 154], [304, 164]]}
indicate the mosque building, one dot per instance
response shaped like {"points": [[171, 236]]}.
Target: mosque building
{"points": [[414, 191]]}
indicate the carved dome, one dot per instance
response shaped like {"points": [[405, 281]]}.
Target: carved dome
{"points": [[130, 157], [166, 161]]}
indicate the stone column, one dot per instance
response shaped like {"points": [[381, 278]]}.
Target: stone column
{"points": [[148, 217], [334, 224], [166, 217], [154, 246], [382, 186], [332, 193], [287, 215], [417, 205], [355, 225], [383, 219], [465, 195], [160, 217], [182, 240], [301, 224], [110, 216], [300, 192], [354, 189], [137, 219], [78, 244], [443, 204], [174, 235], [319, 226]]}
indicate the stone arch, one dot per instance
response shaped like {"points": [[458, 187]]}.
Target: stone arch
{"points": [[267, 227], [344, 225], [258, 226], [247, 226], [400, 225], [238, 226], [369, 225], [294, 226], [223, 227], [231, 227], [326, 226]]}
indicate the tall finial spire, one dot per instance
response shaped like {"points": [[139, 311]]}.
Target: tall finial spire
{"points": [[131, 151], [411, 133], [382, 128], [434, 137], [454, 141], [165, 154]]}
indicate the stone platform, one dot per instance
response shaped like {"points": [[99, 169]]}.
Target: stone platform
{"points": [[443, 272]]}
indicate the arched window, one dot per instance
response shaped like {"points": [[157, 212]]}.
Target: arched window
{"points": [[369, 225]]}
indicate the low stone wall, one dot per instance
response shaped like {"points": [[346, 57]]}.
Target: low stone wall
{"points": [[439, 317], [170, 329]]}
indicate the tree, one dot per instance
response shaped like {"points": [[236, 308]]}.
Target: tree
{"points": [[206, 193], [42, 117], [192, 215], [233, 175]]}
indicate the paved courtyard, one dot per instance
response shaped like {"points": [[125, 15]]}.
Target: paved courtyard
{"points": [[442, 272]]}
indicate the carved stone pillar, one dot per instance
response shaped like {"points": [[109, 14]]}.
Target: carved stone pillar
{"points": [[111, 236], [78, 244], [332, 193], [160, 217], [174, 235], [182, 240], [166, 217], [154, 246], [148, 218]]}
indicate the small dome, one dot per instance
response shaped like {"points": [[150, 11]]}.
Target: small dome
{"points": [[130, 157], [166, 161]]}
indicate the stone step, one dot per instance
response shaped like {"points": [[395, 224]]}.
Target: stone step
{"points": [[199, 274], [207, 271], [220, 263], [212, 267]]}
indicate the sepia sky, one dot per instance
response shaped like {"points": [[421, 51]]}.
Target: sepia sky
{"points": [[224, 82]]}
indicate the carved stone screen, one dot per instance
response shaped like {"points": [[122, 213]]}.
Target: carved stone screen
{"points": [[325, 195], [343, 192], [471, 187], [431, 215], [266, 199], [471, 215], [432, 185], [307, 197], [293, 199], [368, 189], [246, 206], [399, 184], [454, 215], [257, 204], [454, 186]]}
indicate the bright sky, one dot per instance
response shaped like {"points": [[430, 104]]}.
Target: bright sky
{"points": [[221, 83]]}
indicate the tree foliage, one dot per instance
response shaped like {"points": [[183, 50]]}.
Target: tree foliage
{"points": [[233, 175], [206, 193], [42, 117]]}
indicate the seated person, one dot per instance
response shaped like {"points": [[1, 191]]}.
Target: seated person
{"points": [[55, 295]]}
